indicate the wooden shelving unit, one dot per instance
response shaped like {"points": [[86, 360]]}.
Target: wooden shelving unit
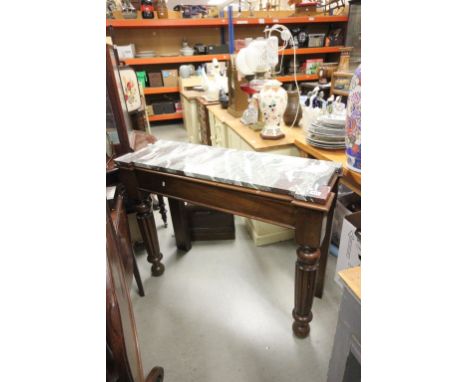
{"points": [[300, 77], [165, 117], [323, 50], [128, 31], [161, 90], [290, 20], [217, 22], [176, 59]]}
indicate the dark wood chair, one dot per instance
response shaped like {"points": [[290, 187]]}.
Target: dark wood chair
{"points": [[119, 128], [123, 359], [120, 221]]}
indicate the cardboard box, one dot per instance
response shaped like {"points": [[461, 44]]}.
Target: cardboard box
{"points": [[170, 77], [312, 65], [155, 79], [349, 253], [125, 51], [347, 203]]}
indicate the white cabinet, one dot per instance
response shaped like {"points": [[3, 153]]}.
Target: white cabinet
{"points": [[218, 132], [222, 135], [191, 123]]}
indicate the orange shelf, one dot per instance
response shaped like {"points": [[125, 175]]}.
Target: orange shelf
{"points": [[165, 117], [217, 22], [325, 49], [290, 20], [300, 77], [161, 90], [165, 23], [176, 59]]}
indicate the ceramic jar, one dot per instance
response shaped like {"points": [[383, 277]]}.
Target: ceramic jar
{"points": [[353, 123], [186, 50], [272, 101], [185, 71], [292, 108]]}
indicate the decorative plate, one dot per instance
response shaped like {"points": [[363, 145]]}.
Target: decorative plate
{"points": [[131, 89]]}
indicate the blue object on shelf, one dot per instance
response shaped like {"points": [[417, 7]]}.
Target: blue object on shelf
{"points": [[230, 30]]}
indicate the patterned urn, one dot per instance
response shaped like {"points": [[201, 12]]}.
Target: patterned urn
{"points": [[353, 123], [272, 100]]}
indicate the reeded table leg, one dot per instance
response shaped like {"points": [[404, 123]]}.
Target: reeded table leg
{"points": [[162, 209], [325, 248], [306, 273], [147, 226]]}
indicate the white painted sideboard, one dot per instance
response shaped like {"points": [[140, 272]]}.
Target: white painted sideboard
{"points": [[228, 131]]}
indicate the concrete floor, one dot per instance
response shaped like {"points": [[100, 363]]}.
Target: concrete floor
{"points": [[222, 312]]}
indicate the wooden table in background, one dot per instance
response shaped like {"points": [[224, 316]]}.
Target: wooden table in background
{"points": [[294, 138], [350, 178]]}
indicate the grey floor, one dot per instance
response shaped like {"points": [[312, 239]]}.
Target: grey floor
{"points": [[222, 312]]}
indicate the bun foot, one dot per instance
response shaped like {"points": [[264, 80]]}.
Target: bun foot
{"points": [[157, 269], [301, 330]]}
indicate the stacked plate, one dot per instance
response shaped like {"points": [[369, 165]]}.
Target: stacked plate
{"points": [[327, 132], [145, 54]]}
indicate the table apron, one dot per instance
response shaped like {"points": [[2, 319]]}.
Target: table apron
{"points": [[250, 205]]}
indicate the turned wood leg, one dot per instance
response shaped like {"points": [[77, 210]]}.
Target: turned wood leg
{"points": [[136, 274], [306, 273], [155, 375], [181, 224], [325, 248], [147, 226], [162, 209]]}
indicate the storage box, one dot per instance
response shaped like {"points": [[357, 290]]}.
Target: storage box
{"points": [[217, 49], [155, 79], [170, 77], [348, 202], [208, 224], [312, 65], [163, 107], [125, 51], [349, 253], [306, 9], [316, 40]]}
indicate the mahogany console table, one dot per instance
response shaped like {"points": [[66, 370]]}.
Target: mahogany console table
{"points": [[293, 192]]}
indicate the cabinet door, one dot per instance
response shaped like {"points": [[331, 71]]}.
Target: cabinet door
{"points": [[191, 120], [218, 139], [186, 112]]}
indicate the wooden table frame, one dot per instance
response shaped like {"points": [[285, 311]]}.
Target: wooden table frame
{"points": [[312, 223]]}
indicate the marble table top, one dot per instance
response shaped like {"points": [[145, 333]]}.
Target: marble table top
{"points": [[302, 178]]}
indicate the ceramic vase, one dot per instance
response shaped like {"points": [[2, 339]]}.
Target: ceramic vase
{"points": [[292, 108], [272, 101], [185, 71], [353, 123]]}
